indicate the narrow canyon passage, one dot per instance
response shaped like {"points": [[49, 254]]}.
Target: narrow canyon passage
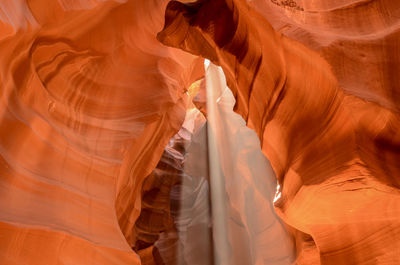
{"points": [[232, 132], [243, 185], [215, 157]]}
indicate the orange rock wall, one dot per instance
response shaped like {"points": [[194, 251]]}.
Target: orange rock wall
{"points": [[89, 99], [174, 226], [333, 143]]}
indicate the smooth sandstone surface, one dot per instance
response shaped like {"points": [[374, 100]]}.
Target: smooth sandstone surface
{"points": [[89, 99], [90, 102], [329, 129]]}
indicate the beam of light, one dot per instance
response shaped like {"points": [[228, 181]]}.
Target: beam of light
{"points": [[277, 193], [246, 229], [206, 63], [214, 84]]}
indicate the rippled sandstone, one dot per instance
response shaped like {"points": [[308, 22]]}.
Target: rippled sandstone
{"points": [[332, 137], [89, 99]]}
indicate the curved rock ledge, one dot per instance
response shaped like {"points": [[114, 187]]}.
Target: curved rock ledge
{"points": [[89, 99], [334, 153]]}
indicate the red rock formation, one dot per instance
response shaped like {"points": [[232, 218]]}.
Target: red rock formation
{"points": [[330, 133], [175, 218], [89, 99]]}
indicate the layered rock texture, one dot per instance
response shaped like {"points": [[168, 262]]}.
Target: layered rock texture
{"points": [[326, 114], [89, 100], [103, 132]]}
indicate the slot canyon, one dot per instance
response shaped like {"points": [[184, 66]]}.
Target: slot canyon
{"points": [[208, 132]]}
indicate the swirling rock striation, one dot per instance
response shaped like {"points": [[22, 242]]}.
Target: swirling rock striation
{"points": [[89, 99], [332, 137]]}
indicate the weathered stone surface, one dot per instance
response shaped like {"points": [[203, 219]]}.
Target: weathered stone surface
{"points": [[89, 99], [329, 129]]}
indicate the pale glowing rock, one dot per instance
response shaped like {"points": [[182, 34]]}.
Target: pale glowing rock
{"points": [[326, 119]]}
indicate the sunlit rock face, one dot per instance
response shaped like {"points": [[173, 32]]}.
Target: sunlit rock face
{"points": [[89, 100], [246, 229], [104, 157], [174, 226], [327, 119]]}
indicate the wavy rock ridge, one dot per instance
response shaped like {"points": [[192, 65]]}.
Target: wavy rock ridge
{"points": [[334, 152], [89, 99]]}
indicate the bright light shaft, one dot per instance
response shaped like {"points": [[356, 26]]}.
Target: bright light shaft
{"points": [[215, 83]]}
